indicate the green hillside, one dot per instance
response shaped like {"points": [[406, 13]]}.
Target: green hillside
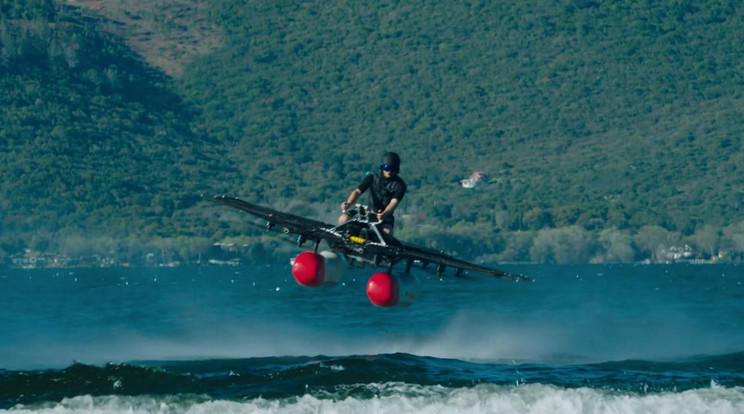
{"points": [[97, 151], [610, 131], [565, 106]]}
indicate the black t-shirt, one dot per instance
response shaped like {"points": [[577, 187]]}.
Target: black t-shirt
{"points": [[382, 189]]}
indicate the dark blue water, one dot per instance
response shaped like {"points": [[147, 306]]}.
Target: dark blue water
{"points": [[589, 338]]}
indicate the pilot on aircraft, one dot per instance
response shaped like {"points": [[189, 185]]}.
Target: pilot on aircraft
{"points": [[386, 191]]}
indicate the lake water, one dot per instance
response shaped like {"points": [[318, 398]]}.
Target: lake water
{"points": [[582, 338]]}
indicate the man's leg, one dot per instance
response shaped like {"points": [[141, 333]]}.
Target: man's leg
{"points": [[343, 219]]}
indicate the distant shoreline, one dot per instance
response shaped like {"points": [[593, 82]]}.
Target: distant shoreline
{"points": [[238, 263]]}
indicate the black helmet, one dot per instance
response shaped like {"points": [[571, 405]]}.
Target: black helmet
{"points": [[390, 162]]}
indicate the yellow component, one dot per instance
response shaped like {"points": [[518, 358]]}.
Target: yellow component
{"points": [[357, 239]]}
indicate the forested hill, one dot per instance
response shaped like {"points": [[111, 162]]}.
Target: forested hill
{"points": [[99, 153], [600, 123], [565, 104]]}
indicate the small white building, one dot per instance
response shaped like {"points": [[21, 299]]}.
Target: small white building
{"points": [[474, 178]]}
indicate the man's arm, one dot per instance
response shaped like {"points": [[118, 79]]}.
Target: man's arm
{"points": [[353, 197], [388, 210]]}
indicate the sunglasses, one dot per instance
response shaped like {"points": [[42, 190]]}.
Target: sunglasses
{"points": [[388, 167]]}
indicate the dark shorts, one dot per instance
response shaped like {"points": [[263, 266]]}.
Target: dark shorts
{"points": [[389, 220]]}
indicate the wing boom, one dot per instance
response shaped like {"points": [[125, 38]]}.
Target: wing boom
{"points": [[425, 255]]}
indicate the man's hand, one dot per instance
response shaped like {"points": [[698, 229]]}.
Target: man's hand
{"points": [[380, 215]]}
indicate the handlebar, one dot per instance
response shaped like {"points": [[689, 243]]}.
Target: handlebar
{"points": [[364, 213]]}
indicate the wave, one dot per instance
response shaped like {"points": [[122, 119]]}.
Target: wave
{"points": [[733, 363], [398, 397], [317, 381]]}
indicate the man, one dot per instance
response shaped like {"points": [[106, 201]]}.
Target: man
{"points": [[386, 191]]}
